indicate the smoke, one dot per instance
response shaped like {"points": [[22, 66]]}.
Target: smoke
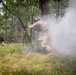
{"points": [[63, 31]]}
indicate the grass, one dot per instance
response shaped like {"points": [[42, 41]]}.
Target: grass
{"points": [[13, 61]]}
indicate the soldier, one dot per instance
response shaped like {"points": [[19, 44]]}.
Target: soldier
{"points": [[41, 27]]}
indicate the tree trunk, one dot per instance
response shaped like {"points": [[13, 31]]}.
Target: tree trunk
{"points": [[31, 29], [6, 27], [44, 6], [57, 8], [24, 28]]}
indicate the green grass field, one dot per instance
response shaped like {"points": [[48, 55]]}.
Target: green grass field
{"points": [[15, 61]]}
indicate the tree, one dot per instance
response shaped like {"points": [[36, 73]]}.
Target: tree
{"points": [[44, 6], [59, 6], [24, 10]]}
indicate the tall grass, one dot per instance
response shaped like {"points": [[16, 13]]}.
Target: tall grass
{"points": [[13, 61], [11, 48]]}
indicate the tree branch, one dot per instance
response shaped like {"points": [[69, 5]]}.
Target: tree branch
{"points": [[22, 25]]}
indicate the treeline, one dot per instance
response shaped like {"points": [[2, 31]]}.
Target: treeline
{"points": [[16, 15]]}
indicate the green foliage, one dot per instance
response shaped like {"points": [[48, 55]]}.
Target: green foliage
{"points": [[9, 26]]}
